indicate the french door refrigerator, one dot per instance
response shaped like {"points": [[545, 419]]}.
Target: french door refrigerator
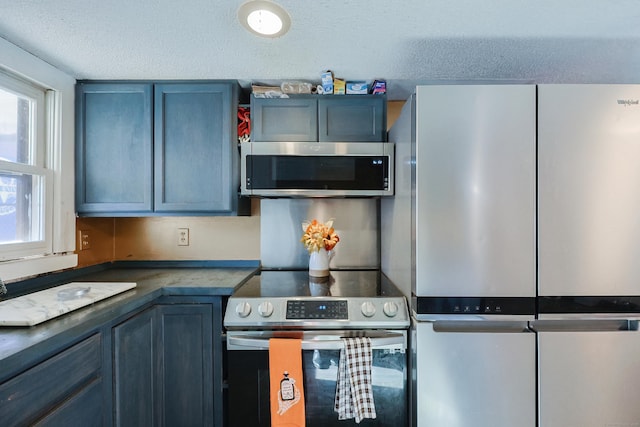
{"points": [[461, 229], [588, 255]]}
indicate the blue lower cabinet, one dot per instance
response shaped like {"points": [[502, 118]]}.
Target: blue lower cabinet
{"points": [[187, 367], [82, 409], [66, 389], [135, 367], [164, 369], [161, 366]]}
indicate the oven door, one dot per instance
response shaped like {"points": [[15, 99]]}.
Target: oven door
{"points": [[248, 377]]}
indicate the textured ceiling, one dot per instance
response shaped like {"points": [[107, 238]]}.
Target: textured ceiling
{"points": [[404, 42]]}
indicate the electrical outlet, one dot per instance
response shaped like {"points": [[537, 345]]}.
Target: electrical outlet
{"points": [[183, 237], [84, 242]]}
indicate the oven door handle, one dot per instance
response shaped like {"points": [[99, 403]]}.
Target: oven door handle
{"points": [[316, 342]]}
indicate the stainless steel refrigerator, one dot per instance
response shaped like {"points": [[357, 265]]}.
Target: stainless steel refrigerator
{"points": [[588, 255], [461, 230]]}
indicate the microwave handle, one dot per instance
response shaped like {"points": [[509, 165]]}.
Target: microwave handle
{"points": [[391, 342]]}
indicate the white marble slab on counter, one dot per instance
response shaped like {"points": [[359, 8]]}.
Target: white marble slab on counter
{"points": [[38, 307]]}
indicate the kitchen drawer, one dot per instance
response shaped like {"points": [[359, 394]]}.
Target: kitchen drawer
{"points": [[46, 387], [85, 409]]}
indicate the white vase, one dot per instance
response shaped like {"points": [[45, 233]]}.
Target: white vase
{"points": [[319, 263]]}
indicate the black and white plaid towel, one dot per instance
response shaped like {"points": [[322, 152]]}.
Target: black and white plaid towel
{"points": [[354, 395]]}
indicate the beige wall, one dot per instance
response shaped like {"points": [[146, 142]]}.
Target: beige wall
{"points": [[210, 238], [101, 233], [155, 238], [394, 108]]}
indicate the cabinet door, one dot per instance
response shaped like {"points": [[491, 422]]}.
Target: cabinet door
{"points": [[187, 366], [113, 148], [193, 144], [284, 119], [164, 367], [59, 391], [352, 118], [135, 371]]}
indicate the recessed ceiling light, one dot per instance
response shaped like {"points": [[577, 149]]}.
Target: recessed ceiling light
{"points": [[264, 18]]}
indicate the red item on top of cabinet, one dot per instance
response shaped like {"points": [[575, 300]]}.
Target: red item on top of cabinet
{"points": [[244, 124]]}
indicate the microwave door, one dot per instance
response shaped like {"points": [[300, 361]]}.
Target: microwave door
{"points": [[325, 173], [283, 172]]}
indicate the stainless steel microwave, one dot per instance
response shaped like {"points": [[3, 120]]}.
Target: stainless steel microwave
{"points": [[317, 169]]}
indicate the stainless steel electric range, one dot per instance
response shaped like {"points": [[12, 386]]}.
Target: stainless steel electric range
{"points": [[319, 311]]}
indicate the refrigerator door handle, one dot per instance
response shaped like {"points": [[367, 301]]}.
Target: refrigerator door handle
{"points": [[585, 325], [478, 326]]}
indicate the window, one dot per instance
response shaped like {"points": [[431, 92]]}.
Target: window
{"points": [[37, 214], [25, 182]]}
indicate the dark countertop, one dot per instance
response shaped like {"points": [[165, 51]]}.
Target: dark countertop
{"points": [[21, 346]]}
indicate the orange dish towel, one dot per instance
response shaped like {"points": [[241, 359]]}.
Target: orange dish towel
{"points": [[286, 383]]}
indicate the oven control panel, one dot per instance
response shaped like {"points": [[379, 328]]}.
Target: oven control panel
{"points": [[316, 313], [317, 309]]}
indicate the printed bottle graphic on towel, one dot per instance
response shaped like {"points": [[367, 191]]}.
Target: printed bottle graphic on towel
{"points": [[286, 388], [289, 394]]}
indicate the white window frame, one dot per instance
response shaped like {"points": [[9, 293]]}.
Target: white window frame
{"points": [[55, 252], [38, 166]]}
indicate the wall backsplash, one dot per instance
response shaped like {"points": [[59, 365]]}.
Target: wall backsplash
{"points": [[156, 238], [210, 238], [355, 221], [101, 239]]}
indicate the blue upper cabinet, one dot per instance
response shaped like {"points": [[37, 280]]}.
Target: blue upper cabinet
{"points": [[303, 118], [357, 118], [284, 119], [193, 158], [114, 148], [158, 148]]}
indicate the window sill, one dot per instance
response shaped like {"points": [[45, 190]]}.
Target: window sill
{"points": [[27, 267]]}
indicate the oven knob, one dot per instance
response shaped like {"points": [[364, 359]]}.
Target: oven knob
{"points": [[265, 309], [368, 309], [243, 309], [390, 308]]}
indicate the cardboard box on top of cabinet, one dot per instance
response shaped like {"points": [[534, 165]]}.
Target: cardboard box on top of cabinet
{"points": [[327, 82], [357, 88], [379, 87], [338, 87]]}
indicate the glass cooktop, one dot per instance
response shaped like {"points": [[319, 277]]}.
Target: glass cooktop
{"points": [[298, 283]]}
